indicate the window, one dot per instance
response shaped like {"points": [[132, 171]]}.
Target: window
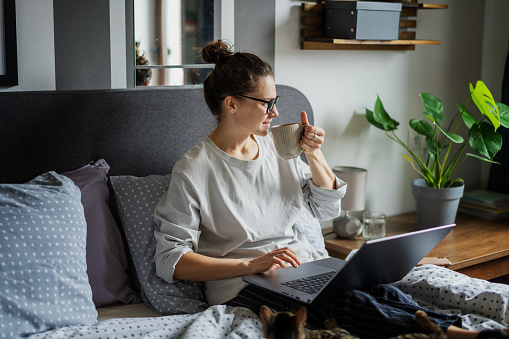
{"points": [[169, 34]]}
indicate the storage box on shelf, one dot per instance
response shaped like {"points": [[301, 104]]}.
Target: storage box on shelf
{"points": [[313, 37], [362, 20]]}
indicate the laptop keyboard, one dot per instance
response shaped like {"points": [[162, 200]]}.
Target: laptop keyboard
{"points": [[312, 284]]}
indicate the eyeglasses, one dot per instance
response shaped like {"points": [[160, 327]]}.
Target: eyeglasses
{"points": [[270, 104]]}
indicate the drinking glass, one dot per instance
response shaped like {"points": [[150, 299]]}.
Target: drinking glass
{"points": [[374, 225]]}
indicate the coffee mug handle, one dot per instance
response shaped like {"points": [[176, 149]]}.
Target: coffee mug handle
{"points": [[303, 129]]}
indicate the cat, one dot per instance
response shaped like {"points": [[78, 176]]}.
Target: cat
{"points": [[286, 325]]}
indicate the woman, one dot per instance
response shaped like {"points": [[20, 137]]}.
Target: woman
{"points": [[232, 205]]}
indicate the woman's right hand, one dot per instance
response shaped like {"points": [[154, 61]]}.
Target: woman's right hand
{"points": [[198, 267], [282, 257]]}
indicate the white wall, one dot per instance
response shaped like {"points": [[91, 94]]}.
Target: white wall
{"points": [[341, 84], [89, 44], [254, 28], [36, 53], [118, 44]]}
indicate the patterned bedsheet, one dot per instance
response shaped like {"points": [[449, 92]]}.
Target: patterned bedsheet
{"points": [[481, 304], [215, 322]]}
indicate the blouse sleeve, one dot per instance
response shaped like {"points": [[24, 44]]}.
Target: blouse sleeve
{"points": [[323, 203], [177, 220]]}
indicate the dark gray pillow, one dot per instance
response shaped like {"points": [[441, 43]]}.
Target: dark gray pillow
{"points": [[136, 199], [43, 278], [106, 257]]}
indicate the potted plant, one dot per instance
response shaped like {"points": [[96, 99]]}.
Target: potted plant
{"points": [[441, 150]]}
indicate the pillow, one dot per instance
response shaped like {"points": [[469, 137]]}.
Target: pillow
{"points": [[106, 257], [136, 199], [312, 230], [43, 278]]}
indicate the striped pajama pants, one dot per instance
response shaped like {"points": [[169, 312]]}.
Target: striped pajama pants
{"points": [[382, 312]]}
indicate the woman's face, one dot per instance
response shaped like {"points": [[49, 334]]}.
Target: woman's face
{"points": [[252, 115]]}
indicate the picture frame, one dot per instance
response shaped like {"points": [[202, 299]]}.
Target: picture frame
{"points": [[8, 44]]}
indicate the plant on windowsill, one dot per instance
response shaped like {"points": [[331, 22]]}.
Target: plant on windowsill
{"points": [[436, 160]]}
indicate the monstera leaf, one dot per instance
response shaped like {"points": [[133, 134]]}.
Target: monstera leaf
{"points": [[380, 118], [433, 106], [485, 140], [485, 102]]}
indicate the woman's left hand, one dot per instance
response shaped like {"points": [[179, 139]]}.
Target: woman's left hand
{"points": [[313, 136], [312, 141]]}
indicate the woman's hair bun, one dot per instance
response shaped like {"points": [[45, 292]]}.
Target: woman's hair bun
{"points": [[216, 52]]}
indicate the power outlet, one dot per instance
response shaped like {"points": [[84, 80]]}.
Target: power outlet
{"points": [[413, 140]]}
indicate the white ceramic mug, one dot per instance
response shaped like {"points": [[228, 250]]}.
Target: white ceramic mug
{"points": [[287, 139]]}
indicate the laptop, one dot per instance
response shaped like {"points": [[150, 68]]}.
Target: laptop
{"points": [[377, 261]]}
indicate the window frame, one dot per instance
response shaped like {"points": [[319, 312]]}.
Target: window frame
{"points": [[131, 51]]}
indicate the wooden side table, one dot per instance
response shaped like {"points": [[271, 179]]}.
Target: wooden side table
{"points": [[476, 247]]}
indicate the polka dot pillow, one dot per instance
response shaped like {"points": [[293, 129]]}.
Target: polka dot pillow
{"points": [[310, 227], [43, 279], [136, 199]]}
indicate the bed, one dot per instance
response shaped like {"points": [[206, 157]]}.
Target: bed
{"points": [[81, 173]]}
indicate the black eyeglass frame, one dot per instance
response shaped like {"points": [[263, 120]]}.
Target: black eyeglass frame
{"points": [[270, 103]]}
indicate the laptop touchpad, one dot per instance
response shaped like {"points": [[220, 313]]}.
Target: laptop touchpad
{"points": [[332, 263]]}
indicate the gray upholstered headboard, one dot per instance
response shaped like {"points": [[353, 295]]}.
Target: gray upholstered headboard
{"points": [[137, 131]]}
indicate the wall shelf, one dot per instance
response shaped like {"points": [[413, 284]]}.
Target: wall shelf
{"points": [[312, 21]]}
